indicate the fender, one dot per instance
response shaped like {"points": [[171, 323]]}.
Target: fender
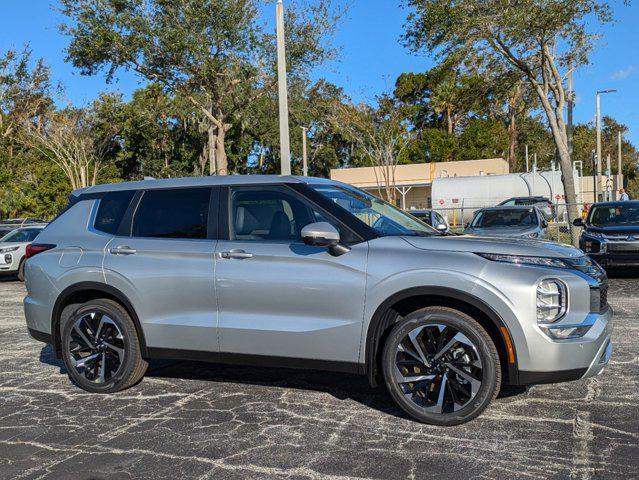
{"points": [[100, 287], [381, 320]]}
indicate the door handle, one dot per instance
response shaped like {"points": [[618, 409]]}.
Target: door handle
{"points": [[237, 254], [122, 250]]}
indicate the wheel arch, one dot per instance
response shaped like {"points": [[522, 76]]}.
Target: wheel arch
{"points": [[83, 292], [407, 301]]}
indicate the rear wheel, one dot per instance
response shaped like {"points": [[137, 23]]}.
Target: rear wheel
{"points": [[441, 366], [100, 347]]}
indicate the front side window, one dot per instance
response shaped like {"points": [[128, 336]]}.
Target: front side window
{"points": [[383, 217], [111, 210], [505, 218], [175, 213], [605, 215], [274, 214]]}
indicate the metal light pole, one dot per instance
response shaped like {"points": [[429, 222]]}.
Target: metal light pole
{"points": [[598, 126], [619, 170], [285, 146], [304, 157]]}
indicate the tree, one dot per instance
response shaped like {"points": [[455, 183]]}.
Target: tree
{"points": [[215, 53], [25, 92], [381, 135], [75, 142], [539, 39]]}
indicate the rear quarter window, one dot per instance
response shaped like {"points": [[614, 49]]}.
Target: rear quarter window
{"points": [[111, 210]]}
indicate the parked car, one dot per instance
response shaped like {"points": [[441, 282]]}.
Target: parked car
{"points": [[611, 233], [9, 225], [308, 273], [432, 218], [13, 249], [542, 203], [522, 222]]}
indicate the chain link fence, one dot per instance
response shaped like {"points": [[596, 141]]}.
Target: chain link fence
{"points": [[559, 229]]}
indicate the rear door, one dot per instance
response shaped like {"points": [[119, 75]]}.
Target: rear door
{"points": [[162, 259], [277, 296]]}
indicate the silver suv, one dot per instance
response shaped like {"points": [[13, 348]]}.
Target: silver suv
{"points": [[309, 273]]}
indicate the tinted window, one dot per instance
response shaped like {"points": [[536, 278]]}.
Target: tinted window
{"points": [[111, 210], [180, 213], [516, 217], [620, 214], [272, 213]]}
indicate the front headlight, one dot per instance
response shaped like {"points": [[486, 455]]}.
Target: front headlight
{"points": [[8, 249], [551, 300], [532, 235], [525, 260], [594, 234]]}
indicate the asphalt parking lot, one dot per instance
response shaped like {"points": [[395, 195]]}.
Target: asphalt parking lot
{"points": [[194, 420]]}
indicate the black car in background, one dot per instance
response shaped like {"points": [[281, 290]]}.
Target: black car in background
{"points": [[611, 233]]}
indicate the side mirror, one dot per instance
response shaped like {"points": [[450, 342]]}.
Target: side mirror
{"points": [[442, 227], [544, 224], [323, 234], [579, 222], [466, 225]]}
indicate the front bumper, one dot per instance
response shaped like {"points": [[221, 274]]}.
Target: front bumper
{"points": [[579, 358], [609, 252]]}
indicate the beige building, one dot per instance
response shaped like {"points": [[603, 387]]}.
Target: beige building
{"points": [[413, 182]]}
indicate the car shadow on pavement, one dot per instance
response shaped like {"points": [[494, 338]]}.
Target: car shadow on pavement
{"points": [[341, 386]]}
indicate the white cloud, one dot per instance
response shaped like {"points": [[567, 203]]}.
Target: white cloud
{"points": [[623, 73]]}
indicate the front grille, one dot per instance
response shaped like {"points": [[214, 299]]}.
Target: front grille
{"points": [[623, 247], [599, 298], [603, 297]]}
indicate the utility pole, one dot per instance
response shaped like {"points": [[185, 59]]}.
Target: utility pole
{"points": [[285, 145], [608, 187], [304, 156], [619, 171], [527, 164], [598, 125]]}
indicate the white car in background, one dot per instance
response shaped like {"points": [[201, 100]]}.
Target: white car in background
{"points": [[13, 248]]}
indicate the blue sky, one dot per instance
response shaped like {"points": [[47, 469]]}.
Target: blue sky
{"points": [[370, 61]]}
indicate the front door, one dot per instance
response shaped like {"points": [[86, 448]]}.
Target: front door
{"points": [[164, 264], [277, 296]]}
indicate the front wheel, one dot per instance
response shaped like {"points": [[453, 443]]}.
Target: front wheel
{"points": [[100, 347], [21, 271], [441, 366]]}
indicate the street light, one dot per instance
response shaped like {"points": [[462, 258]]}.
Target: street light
{"points": [[285, 147], [598, 126]]}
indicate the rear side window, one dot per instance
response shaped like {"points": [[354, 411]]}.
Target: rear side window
{"points": [[111, 210], [180, 213]]}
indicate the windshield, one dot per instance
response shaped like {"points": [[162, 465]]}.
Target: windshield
{"points": [[384, 218], [22, 235], [609, 215], [506, 218]]}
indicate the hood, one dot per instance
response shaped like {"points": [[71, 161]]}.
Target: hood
{"points": [[501, 232], [632, 229], [521, 246]]}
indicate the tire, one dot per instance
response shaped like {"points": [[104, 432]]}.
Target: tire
{"points": [[96, 333], [461, 359], [21, 270]]}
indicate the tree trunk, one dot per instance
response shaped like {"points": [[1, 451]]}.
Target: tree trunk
{"points": [[512, 141], [212, 146], [221, 160], [449, 121]]}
